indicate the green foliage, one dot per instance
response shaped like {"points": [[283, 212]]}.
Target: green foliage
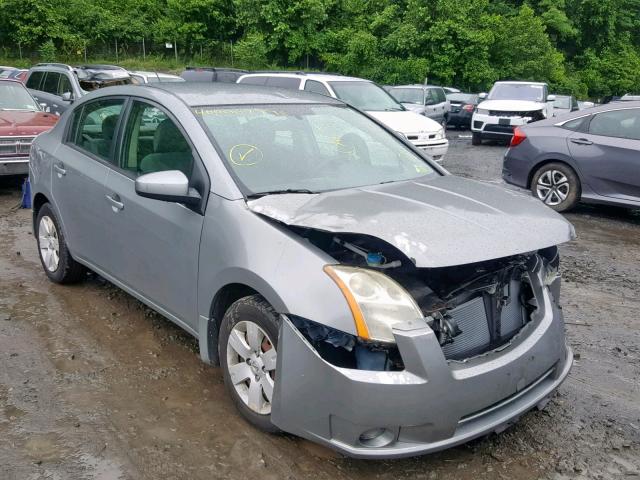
{"points": [[585, 47], [47, 51]]}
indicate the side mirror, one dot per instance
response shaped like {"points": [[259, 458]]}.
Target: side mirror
{"points": [[483, 95], [168, 186], [551, 98], [67, 97]]}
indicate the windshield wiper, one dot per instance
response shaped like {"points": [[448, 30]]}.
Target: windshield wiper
{"points": [[279, 192]]}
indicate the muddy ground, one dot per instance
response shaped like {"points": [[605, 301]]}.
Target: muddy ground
{"points": [[93, 385]]}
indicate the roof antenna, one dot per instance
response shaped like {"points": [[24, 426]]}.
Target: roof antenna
{"points": [[157, 76]]}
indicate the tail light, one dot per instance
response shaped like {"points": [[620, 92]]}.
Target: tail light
{"points": [[468, 108], [518, 137]]}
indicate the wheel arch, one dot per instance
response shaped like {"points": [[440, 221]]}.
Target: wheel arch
{"points": [[38, 201], [547, 161], [222, 300]]}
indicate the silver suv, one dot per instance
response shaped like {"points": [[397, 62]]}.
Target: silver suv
{"points": [[428, 100], [56, 85], [352, 291]]}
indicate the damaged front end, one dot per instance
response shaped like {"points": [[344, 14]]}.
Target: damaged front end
{"points": [[472, 309]]}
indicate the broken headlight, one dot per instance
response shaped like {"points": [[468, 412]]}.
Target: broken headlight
{"points": [[377, 302]]}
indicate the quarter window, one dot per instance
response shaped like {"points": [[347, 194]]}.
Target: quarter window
{"points": [[154, 143], [260, 80], [617, 123], [96, 128], [316, 87]]}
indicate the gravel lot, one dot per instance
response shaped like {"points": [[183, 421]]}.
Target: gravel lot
{"points": [[93, 385]]}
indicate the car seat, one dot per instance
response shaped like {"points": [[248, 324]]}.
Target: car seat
{"points": [[170, 151]]}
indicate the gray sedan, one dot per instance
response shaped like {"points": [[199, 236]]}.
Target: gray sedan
{"points": [[590, 155], [352, 291]]}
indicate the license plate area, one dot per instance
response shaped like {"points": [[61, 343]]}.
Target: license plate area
{"points": [[504, 121]]}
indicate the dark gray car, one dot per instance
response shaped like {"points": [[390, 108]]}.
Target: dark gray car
{"points": [[351, 290], [590, 155]]}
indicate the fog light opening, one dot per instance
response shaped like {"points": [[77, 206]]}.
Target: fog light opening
{"points": [[376, 437]]}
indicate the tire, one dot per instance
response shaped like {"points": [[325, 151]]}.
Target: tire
{"points": [[476, 138], [53, 251], [557, 185], [242, 318]]}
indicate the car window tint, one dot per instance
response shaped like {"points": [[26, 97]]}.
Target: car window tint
{"points": [[51, 83], [430, 97], [254, 80], [283, 82], [34, 80], [154, 143], [316, 87], [617, 123], [440, 95], [65, 85], [97, 127]]}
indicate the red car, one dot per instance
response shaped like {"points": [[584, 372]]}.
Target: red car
{"points": [[21, 119]]}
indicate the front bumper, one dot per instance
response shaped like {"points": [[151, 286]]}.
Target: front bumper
{"points": [[431, 405], [14, 166], [436, 149], [496, 128]]}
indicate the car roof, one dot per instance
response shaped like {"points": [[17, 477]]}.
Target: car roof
{"points": [[416, 85], [153, 74], [329, 77], [583, 113], [521, 82], [197, 94]]}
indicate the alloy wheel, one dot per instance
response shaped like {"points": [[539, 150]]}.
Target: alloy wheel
{"points": [[48, 243], [251, 361], [553, 187]]}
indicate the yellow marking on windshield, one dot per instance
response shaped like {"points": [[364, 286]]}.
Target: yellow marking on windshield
{"points": [[245, 155]]}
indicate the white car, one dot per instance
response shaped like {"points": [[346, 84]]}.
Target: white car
{"points": [[508, 105], [424, 133], [154, 77]]}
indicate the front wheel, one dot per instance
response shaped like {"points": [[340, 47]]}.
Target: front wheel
{"points": [[248, 345], [557, 185], [55, 257], [476, 138]]}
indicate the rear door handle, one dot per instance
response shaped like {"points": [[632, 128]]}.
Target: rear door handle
{"points": [[581, 141], [115, 202], [59, 168]]}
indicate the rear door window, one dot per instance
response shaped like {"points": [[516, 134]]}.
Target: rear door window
{"points": [[440, 95], [254, 80], [96, 127], [316, 87], [35, 79], [51, 81], [617, 123], [284, 82]]}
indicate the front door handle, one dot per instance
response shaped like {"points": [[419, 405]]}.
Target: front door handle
{"points": [[115, 202], [60, 169], [581, 141]]}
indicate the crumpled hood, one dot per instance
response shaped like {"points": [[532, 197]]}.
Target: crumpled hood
{"points": [[511, 105], [407, 122], [436, 222]]}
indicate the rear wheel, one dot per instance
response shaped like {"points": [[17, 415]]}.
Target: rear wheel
{"points": [[248, 351], [476, 138], [55, 257], [557, 185]]}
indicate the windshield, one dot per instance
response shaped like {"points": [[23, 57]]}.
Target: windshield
{"points": [[562, 102], [462, 97], [365, 96], [13, 96], [517, 91], [308, 147], [408, 95]]}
